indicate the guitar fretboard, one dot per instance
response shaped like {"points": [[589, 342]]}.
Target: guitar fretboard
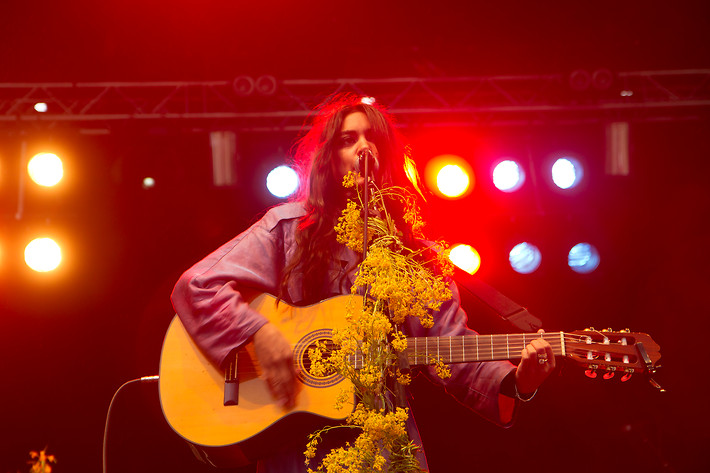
{"points": [[467, 348]]}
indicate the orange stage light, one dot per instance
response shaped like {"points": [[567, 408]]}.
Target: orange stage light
{"points": [[465, 257], [449, 176]]}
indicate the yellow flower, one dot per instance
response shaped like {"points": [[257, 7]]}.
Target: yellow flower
{"points": [[350, 179], [397, 282], [399, 341], [403, 378], [441, 369]]}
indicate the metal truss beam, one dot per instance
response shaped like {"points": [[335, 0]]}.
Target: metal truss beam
{"points": [[265, 104]]}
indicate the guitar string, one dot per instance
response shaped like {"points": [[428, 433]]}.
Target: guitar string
{"points": [[517, 338], [491, 350]]}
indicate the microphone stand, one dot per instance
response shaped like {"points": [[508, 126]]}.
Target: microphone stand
{"points": [[364, 155], [396, 388]]}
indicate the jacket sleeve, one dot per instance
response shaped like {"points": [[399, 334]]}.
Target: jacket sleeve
{"points": [[210, 297], [475, 384]]}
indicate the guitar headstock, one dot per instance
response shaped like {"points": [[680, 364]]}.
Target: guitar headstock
{"points": [[605, 350]]}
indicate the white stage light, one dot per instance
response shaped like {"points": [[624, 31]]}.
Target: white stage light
{"points": [[525, 258], [282, 181], [508, 176]]}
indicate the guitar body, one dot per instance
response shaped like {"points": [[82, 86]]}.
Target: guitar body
{"points": [[192, 390]]}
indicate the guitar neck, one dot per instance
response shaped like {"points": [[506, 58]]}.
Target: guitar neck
{"points": [[467, 348]]}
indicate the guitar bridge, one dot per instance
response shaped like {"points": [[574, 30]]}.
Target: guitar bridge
{"points": [[231, 382]]}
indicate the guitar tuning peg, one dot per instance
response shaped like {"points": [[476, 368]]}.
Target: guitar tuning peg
{"points": [[626, 330], [626, 377], [608, 375], [591, 374]]}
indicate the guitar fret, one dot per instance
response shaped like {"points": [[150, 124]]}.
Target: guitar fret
{"points": [[415, 351], [495, 348], [562, 344], [451, 357]]}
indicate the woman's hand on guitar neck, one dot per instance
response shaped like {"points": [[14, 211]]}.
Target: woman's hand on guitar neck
{"points": [[276, 360], [536, 363]]}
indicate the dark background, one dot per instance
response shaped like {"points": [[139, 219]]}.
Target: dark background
{"points": [[69, 339]]}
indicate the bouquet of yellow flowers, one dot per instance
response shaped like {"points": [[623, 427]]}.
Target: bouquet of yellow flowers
{"points": [[397, 282]]}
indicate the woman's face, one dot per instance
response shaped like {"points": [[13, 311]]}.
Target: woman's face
{"points": [[355, 137]]}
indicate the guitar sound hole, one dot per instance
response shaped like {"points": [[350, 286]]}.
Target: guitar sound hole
{"points": [[303, 361], [306, 360]]}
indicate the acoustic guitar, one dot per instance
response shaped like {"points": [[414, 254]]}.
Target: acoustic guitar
{"points": [[230, 416]]}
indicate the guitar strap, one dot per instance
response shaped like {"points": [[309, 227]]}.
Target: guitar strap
{"points": [[507, 309]]}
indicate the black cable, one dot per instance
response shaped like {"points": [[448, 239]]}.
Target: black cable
{"points": [[110, 407]]}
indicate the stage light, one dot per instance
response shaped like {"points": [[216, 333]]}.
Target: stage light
{"points": [[449, 176], [243, 86], [368, 100], [525, 258], [567, 172], [41, 107], [465, 257], [282, 181], [583, 258], [45, 169], [148, 183], [508, 176], [266, 85], [452, 181], [43, 255]]}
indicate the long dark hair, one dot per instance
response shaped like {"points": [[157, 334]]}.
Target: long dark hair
{"points": [[322, 191]]}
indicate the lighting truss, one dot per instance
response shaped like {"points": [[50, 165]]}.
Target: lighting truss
{"points": [[266, 104]]}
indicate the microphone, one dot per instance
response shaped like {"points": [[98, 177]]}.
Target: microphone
{"points": [[365, 154]]}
